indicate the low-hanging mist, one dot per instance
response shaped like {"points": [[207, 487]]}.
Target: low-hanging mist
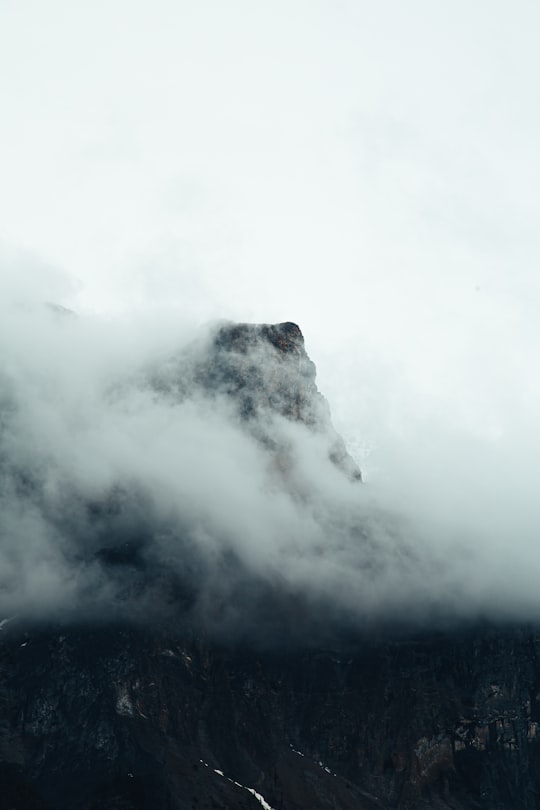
{"points": [[148, 467]]}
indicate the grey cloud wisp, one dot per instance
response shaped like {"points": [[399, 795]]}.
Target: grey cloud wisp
{"points": [[199, 474]]}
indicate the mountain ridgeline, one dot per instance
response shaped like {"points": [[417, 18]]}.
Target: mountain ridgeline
{"points": [[202, 608]]}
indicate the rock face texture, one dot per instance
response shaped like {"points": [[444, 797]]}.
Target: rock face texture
{"points": [[138, 718], [265, 371], [266, 366], [161, 712]]}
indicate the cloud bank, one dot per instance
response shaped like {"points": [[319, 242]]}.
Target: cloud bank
{"points": [[149, 468]]}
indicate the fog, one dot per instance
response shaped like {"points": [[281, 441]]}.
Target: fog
{"points": [[130, 488], [368, 171]]}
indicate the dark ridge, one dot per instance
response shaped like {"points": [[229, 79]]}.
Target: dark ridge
{"points": [[126, 717]]}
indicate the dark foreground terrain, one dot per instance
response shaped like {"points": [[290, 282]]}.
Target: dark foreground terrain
{"points": [[131, 718]]}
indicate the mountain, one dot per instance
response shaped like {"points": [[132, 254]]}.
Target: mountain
{"points": [[187, 666]]}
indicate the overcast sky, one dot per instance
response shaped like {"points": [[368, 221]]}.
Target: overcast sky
{"points": [[368, 170]]}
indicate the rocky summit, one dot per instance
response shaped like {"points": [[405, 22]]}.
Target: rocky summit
{"points": [[170, 706], [266, 366]]}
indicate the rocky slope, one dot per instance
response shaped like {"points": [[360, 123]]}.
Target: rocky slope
{"points": [[171, 708], [138, 718]]}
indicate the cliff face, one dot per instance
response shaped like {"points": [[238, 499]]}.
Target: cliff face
{"points": [[264, 370], [139, 718], [271, 360], [158, 709]]}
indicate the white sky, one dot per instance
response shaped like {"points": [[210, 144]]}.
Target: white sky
{"points": [[367, 169]]}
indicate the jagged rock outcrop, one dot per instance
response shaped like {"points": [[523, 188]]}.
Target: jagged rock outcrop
{"points": [[265, 371], [266, 367]]}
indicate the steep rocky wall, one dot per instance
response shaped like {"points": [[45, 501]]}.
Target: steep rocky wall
{"points": [[137, 718], [264, 370]]}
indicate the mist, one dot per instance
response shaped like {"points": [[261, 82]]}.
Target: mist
{"points": [[369, 172], [132, 485]]}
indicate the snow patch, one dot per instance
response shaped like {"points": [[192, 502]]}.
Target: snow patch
{"points": [[300, 754], [259, 798], [262, 801], [326, 768], [317, 762]]}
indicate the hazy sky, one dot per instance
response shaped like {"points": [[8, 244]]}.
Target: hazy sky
{"points": [[367, 169]]}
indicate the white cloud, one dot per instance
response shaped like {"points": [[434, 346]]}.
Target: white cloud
{"points": [[369, 171], [124, 481]]}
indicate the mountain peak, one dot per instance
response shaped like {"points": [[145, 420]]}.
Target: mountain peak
{"points": [[285, 337], [266, 370]]}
